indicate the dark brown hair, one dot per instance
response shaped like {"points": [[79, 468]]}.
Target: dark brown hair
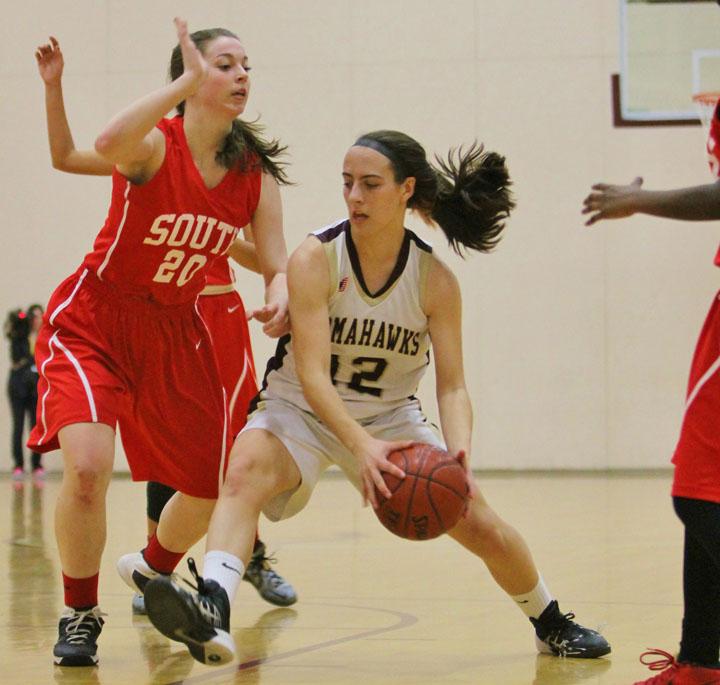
{"points": [[244, 147], [467, 194]]}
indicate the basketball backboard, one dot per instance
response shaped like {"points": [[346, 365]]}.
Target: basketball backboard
{"points": [[670, 50]]}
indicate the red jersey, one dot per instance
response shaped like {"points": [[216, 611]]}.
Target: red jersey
{"points": [[160, 237], [713, 151], [220, 272]]}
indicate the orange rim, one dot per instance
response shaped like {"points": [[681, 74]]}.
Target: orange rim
{"points": [[709, 98]]}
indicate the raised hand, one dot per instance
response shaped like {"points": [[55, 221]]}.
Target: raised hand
{"points": [[50, 61], [611, 202], [195, 67]]}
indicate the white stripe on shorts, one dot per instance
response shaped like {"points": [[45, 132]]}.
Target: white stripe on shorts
{"points": [[64, 304], [45, 394], [83, 378], [224, 456], [238, 385]]}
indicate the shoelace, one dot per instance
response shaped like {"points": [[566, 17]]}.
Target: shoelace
{"points": [[264, 562], [555, 632], [208, 609], [665, 661], [79, 628], [200, 587]]}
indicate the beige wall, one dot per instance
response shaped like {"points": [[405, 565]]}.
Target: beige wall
{"points": [[578, 341]]}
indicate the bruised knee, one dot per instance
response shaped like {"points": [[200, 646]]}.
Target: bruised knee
{"points": [[88, 480]]}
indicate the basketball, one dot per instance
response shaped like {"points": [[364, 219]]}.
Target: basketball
{"points": [[430, 499]]}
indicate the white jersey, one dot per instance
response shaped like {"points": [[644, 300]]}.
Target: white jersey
{"points": [[380, 345]]}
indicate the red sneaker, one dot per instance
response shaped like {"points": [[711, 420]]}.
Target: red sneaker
{"points": [[676, 672]]}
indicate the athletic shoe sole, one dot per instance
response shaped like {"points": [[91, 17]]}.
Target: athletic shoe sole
{"points": [[172, 611], [75, 660]]}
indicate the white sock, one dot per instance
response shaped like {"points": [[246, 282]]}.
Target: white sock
{"points": [[533, 603], [226, 569]]}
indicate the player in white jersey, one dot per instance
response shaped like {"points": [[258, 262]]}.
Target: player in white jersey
{"points": [[379, 341], [365, 297]]}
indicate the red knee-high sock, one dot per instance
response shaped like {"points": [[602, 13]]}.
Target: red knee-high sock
{"points": [[160, 559], [81, 593]]}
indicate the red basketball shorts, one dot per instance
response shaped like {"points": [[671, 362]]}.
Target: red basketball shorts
{"points": [[226, 319], [697, 455], [150, 369]]}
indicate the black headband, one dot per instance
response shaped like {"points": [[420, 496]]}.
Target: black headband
{"points": [[386, 151]]}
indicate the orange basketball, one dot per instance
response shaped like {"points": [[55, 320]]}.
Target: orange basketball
{"points": [[431, 498]]}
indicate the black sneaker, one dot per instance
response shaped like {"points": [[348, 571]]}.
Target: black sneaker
{"points": [[78, 632], [559, 635], [271, 586], [200, 619]]}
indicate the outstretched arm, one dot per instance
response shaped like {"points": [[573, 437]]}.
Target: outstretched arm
{"points": [[309, 285], [696, 203], [64, 156]]}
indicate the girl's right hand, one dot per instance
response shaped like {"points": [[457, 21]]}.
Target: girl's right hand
{"points": [[195, 67], [373, 458], [50, 62]]}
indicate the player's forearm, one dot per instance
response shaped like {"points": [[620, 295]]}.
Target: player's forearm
{"points": [[126, 130], [697, 203], [60, 138], [243, 252], [456, 419], [276, 290], [329, 408]]}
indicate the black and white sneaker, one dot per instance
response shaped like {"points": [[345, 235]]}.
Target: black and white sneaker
{"points": [[78, 632], [559, 635], [271, 586], [199, 619]]}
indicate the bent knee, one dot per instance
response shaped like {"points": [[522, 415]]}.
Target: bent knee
{"points": [[252, 473]]}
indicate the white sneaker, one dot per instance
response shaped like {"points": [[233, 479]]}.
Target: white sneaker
{"points": [[134, 570]]}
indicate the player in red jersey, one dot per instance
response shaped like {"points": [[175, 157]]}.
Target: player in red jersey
{"points": [[219, 303], [696, 482], [123, 343]]}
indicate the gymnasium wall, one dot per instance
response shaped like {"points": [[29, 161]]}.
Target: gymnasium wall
{"points": [[577, 341]]}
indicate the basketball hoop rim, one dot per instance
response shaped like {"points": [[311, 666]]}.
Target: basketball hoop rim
{"points": [[707, 98]]}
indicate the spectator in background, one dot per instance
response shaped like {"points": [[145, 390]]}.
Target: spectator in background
{"points": [[21, 327]]}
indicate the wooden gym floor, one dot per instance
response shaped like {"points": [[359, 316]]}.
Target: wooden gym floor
{"points": [[373, 609]]}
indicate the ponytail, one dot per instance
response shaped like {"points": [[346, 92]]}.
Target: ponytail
{"points": [[245, 148], [473, 199], [467, 195]]}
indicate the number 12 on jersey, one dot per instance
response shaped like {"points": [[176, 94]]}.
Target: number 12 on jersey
{"points": [[368, 369]]}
